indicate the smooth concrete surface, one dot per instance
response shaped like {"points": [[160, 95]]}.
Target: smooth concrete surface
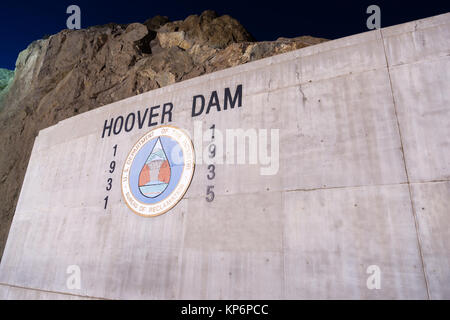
{"points": [[365, 226], [363, 180]]}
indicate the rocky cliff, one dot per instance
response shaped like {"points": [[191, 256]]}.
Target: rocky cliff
{"points": [[6, 77], [76, 71]]}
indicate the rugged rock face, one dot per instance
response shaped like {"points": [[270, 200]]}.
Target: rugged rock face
{"points": [[76, 71], [6, 76]]}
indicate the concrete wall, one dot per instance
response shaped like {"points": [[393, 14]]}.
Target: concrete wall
{"points": [[364, 179]]}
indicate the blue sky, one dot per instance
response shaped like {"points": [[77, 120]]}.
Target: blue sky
{"points": [[23, 22]]}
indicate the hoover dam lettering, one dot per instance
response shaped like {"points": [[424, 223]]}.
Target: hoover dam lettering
{"points": [[151, 115]]}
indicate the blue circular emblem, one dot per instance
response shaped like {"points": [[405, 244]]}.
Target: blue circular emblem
{"points": [[158, 171]]}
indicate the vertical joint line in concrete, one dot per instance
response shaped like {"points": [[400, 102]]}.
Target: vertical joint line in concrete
{"points": [[283, 247], [416, 222]]}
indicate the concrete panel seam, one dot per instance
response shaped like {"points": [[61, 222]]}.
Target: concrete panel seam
{"points": [[411, 63], [300, 83], [416, 222], [365, 185], [328, 188], [431, 181], [417, 29], [346, 187], [283, 260], [181, 255], [53, 292]]}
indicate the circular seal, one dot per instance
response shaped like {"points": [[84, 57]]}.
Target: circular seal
{"points": [[158, 171]]}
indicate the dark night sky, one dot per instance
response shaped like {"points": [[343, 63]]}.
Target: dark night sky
{"points": [[22, 23]]}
